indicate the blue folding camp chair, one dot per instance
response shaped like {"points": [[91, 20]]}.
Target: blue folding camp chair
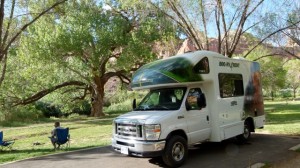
{"points": [[5, 144], [63, 137]]}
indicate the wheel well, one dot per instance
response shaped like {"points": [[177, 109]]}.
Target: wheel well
{"points": [[250, 121], [177, 132]]}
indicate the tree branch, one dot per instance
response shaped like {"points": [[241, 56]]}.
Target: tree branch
{"points": [[102, 65], [290, 53], [187, 26], [204, 23], [122, 77], [227, 30], [268, 55], [271, 34], [73, 89], [108, 75], [85, 92], [217, 16], [252, 26], [220, 5], [173, 18], [9, 22], [29, 23], [78, 73], [45, 92], [131, 21], [237, 34], [29, 13], [241, 24], [1, 24], [3, 69], [297, 41], [256, 6]]}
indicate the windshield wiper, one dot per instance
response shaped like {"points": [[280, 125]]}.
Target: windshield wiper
{"points": [[156, 107], [160, 107]]}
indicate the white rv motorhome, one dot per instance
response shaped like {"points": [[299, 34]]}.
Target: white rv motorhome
{"points": [[194, 97]]}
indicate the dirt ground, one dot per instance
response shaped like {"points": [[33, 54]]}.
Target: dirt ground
{"points": [[294, 162]]}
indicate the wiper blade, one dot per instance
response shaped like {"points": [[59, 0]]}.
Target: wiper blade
{"points": [[139, 109], [157, 107]]}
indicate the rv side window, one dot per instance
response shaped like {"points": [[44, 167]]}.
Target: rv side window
{"points": [[195, 100], [202, 67], [231, 85]]}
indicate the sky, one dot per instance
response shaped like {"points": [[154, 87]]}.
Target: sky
{"points": [[268, 6]]}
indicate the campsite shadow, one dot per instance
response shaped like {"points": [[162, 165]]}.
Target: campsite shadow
{"points": [[230, 146], [265, 148], [80, 154]]}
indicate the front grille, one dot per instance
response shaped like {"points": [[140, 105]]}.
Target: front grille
{"points": [[129, 130]]}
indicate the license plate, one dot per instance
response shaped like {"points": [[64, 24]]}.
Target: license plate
{"points": [[124, 150]]}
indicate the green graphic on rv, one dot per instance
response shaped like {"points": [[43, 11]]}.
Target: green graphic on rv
{"points": [[172, 70]]}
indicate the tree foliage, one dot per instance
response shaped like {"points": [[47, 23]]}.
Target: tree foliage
{"points": [[286, 19], [11, 27], [293, 75], [78, 46], [272, 71], [94, 42]]}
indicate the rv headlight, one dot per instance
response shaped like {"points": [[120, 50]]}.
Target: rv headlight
{"points": [[114, 127], [152, 132]]}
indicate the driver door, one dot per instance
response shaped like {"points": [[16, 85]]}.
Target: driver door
{"points": [[197, 116]]}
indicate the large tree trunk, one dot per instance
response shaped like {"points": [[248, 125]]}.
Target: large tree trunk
{"points": [[97, 98], [97, 105]]}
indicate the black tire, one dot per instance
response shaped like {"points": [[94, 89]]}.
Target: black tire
{"points": [[244, 137], [175, 152]]}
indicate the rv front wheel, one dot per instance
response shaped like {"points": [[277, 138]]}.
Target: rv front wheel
{"points": [[175, 152], [246, 135]]}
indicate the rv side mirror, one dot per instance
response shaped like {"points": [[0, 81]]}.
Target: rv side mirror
{"points": [[187, 106], [201, 101], [134, 104]]}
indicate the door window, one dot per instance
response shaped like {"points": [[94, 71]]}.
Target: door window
{"points": [[195, 99]]}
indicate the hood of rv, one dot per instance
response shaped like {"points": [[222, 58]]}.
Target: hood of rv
{"points": [[142, 116]]}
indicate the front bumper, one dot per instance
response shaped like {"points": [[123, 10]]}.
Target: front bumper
{"points": [[139, 148]]}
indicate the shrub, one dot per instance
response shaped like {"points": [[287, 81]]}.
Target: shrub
{"points": [[285, 93], [83, 108], [48, 109], [20, 115], [119, 107]]}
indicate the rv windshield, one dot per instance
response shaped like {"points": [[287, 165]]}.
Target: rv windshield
{"points": [[162, 99]]}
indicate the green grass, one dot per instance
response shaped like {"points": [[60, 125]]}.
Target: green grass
{"points": [[282, 117], [84, 134]]}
